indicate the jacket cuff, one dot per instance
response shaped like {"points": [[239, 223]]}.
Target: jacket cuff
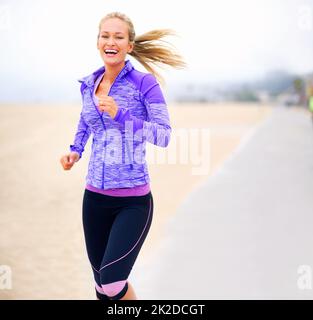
{"points": [[117, 116], [124, 115], [75, 149]]}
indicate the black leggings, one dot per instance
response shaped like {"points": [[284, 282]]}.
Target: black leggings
{"points": [[115, 229]]}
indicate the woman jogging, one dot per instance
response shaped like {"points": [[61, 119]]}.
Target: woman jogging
{"points": [[122, 108]]}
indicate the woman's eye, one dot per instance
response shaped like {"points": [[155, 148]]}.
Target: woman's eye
{"points": [[107, 37]]}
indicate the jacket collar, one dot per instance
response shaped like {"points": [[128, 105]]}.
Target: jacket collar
{"points": [[90, 79]]}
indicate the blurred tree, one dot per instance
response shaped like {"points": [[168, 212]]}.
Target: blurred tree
{"points": [[299, 87]]}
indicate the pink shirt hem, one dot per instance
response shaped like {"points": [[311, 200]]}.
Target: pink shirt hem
{"points": [[122, 192]]}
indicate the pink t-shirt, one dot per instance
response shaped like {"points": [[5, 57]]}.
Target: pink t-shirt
{"points": [[122, 192]]}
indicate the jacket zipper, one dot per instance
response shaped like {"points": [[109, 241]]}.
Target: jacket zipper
{"points": [[101, 115]]}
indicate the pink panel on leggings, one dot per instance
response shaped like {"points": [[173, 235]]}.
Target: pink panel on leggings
{"points": [[112, 289], [99, 289]]}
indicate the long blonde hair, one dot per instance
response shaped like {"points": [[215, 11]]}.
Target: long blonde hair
{"points": [[145, 50]]}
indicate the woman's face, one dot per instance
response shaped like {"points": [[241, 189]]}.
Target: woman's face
{"points": [[114, 35]]}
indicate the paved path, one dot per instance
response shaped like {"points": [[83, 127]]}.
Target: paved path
{"points": [[246, 232]]}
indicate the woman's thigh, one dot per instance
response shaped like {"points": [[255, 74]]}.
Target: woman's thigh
{"points": [[97, 222], [127, 235]]}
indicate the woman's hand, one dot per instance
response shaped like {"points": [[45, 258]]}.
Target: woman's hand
{"points": [[107, 104], [68, 160]]}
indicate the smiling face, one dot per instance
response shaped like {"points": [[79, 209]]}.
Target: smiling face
{"points": [[113, 36]]}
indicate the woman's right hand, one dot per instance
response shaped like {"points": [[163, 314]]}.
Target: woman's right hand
{"points": [[68, 160]]}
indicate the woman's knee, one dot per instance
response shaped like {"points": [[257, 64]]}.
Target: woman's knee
{"points": [[115, 290]]}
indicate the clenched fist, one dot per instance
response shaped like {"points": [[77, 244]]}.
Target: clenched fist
{"points": [[68, 160], [108, 104]]}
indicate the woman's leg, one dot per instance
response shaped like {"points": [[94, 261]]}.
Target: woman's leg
{"points": [[115, 229], [128, 233], [97, 222], [130, 294]]}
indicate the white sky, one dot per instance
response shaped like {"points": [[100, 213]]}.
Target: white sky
{"points": [[47, 44]]}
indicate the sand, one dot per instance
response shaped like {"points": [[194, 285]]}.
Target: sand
{"points": [[41, 235]]}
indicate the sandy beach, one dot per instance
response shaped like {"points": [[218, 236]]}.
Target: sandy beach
{"points": [[41, 235]]}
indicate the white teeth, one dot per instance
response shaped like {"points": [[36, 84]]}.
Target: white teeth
{"points": [[110, 51]]}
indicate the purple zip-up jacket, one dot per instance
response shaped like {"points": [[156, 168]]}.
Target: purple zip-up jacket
{"points": [[119, 145]]}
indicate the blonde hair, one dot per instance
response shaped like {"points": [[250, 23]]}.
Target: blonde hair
{"points": [[145, 50]]}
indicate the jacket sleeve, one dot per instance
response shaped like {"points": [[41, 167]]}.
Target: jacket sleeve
{"points": [[82, 133], [157, 129], [81, 137]]}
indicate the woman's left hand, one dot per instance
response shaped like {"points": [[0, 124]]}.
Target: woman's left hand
{"points": [[107, 104]]}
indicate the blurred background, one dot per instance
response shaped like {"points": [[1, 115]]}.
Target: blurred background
{"points": [[240, 111], [241, 50]]}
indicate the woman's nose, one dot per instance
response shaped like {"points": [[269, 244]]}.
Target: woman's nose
{"points": [[110, 40]]}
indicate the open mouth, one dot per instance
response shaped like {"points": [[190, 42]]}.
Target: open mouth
{"points": [[110, 52]]}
